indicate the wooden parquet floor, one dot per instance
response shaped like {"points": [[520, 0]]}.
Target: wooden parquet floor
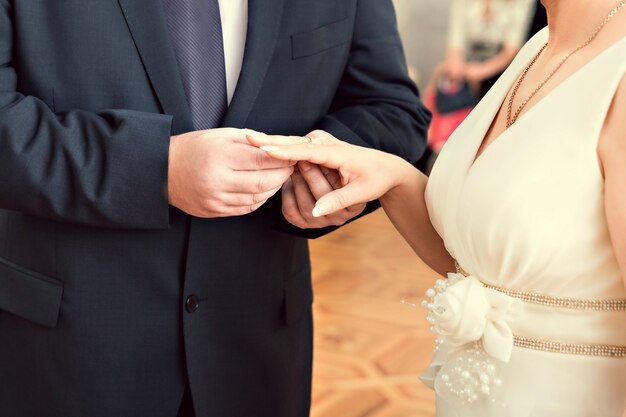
{"points": [[369, 347]]}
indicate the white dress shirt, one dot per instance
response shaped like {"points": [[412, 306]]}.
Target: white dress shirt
{"points": [[234, 16]]}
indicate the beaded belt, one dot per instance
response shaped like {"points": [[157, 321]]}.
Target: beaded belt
{"points": [[566, 303]]}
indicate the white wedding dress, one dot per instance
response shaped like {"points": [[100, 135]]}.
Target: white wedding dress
{"points": [[534, 323]]}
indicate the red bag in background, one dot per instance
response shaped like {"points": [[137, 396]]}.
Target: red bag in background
{"points": [[443, 124]]}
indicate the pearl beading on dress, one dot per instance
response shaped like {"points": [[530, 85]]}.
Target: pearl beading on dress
{"points": [[430, 304], [472, 375]]}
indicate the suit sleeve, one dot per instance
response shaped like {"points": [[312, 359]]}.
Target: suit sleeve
{"points": [[106, 169], [376, 104]]}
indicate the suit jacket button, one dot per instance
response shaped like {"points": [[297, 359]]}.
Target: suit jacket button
{"points": [[192, 304]]}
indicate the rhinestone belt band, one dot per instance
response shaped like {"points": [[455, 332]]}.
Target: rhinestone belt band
{"points": [[559, 302], [568, 303], [570, 348], [562, 302]]}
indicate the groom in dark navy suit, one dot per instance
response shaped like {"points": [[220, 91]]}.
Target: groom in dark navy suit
{"points": [[152, 263]]}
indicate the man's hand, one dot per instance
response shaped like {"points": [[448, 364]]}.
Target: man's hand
{"points": [[217, 173], [308, 184]]}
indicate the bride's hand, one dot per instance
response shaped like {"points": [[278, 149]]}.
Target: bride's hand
{"points": [[366, 174]]}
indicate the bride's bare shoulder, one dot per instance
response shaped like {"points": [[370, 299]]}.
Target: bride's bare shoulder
{"points": [[612, 155], [612, 145]]}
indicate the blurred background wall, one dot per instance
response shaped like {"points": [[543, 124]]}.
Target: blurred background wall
{"points": [[423, 26]]}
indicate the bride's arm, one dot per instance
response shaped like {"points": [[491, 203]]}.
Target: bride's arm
{"points": [[406, 208], [367, 175], [612, 153]]}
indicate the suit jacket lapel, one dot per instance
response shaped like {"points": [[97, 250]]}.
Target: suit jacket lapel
{"points": [[146, 21], [264, 18]]}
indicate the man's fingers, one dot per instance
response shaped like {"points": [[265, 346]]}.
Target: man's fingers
{"points": [[242, 199], [298, 207], [334, 180], [250, 158], [290, 208], [257, 182], [304, 198], [321, 182], [333, 177], [240, 210], [315, 179]]}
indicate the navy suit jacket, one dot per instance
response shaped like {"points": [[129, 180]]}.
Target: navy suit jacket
{"points": [[111, 300]]}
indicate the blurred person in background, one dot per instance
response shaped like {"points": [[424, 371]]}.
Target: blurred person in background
{"points": [[483, 38]]}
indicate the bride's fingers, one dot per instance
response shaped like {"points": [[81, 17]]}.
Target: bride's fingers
{"points": [[259, 139], [329, 156]]}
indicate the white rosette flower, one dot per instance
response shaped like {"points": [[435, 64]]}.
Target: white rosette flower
{"points": [[472, 322]]}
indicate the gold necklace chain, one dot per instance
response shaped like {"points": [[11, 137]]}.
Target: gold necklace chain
{"points": [[512, 118]]}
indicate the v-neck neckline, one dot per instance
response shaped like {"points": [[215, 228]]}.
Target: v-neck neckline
{"points": [[500, 102]]}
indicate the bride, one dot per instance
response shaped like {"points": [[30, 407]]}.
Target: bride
{"points": [[525, 211]]}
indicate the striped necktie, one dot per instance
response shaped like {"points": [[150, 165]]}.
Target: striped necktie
{"points": [[196, 33]]}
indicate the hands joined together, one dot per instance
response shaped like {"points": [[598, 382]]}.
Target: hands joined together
{"points": [[232, 172]]}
